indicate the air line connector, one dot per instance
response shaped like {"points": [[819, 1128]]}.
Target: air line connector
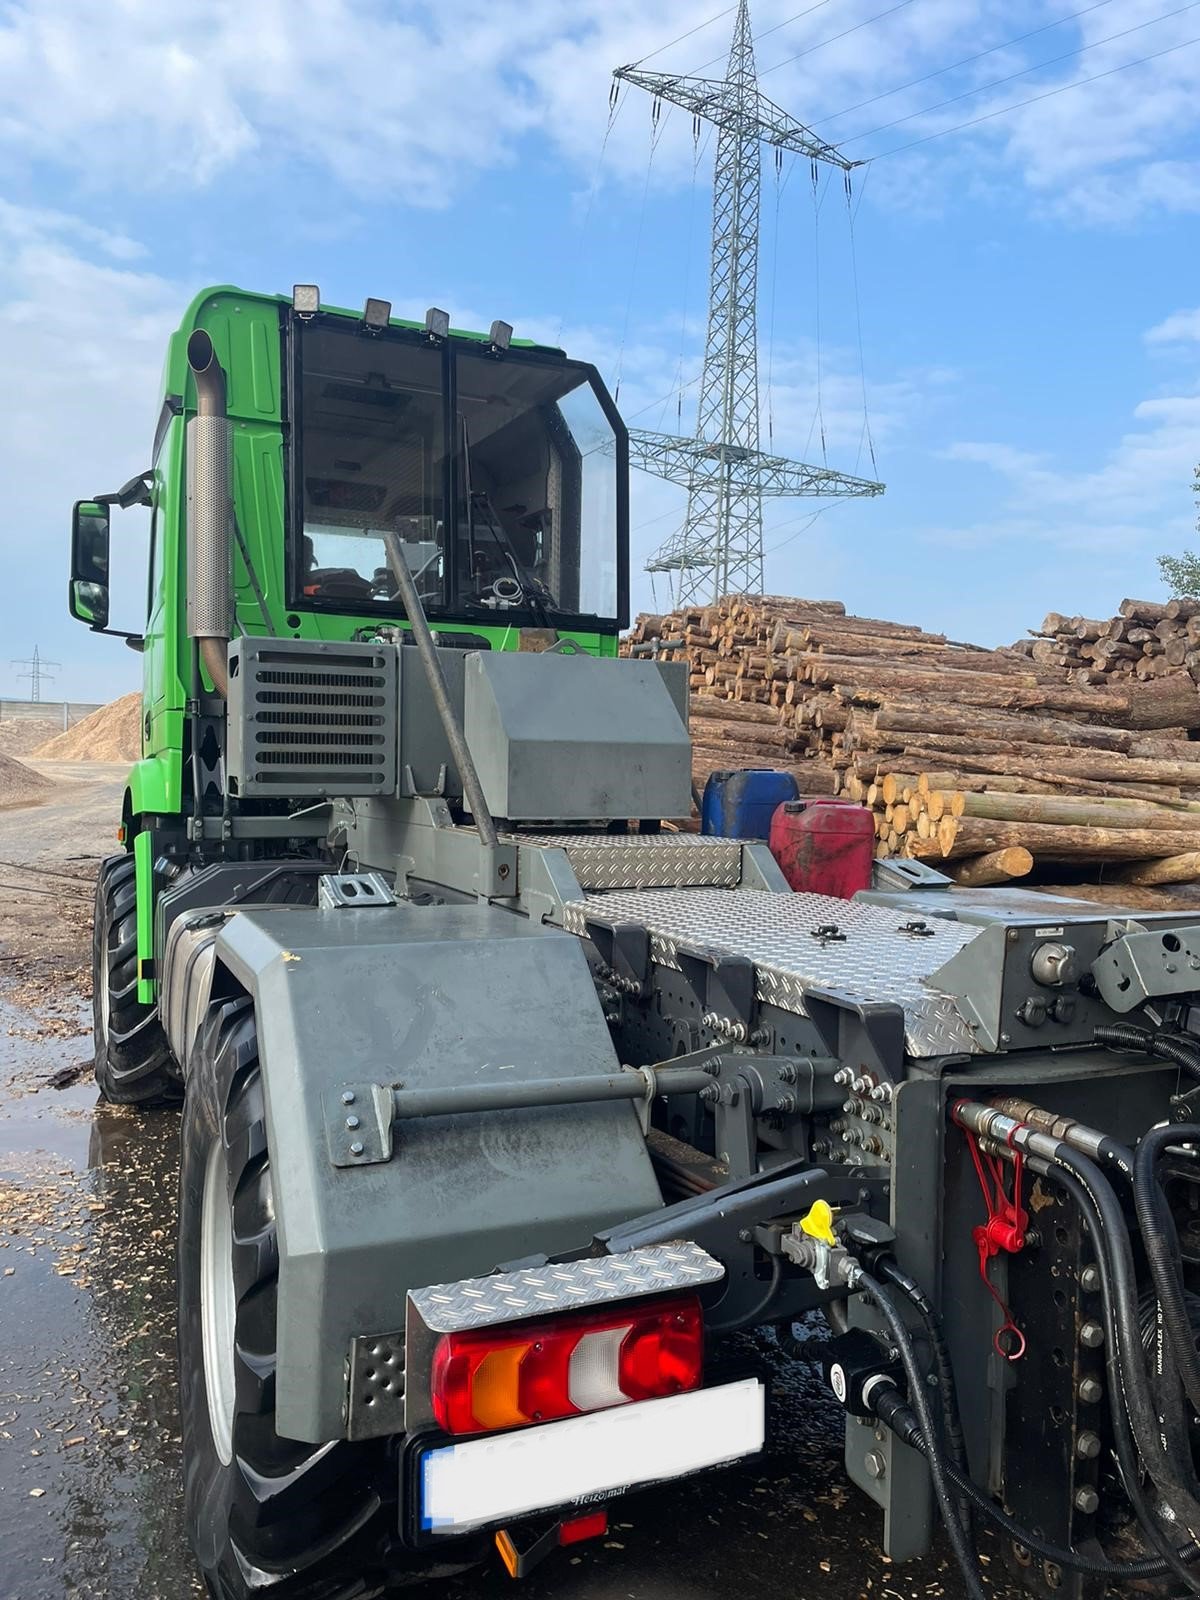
{"points": [[813, 1245]]}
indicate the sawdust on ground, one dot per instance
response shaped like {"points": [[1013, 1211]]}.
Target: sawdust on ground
{"points": [[19, 786], [114, 733]]}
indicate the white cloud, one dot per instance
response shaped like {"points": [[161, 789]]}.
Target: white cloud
{"points": [[82, 339], [1082, 538], [413, 100], [1179, 328]]}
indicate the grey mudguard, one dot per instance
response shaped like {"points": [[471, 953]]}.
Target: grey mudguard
{"points": [[421, 996]]}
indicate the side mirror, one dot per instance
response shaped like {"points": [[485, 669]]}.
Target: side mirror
{"points": [[88, 594]]}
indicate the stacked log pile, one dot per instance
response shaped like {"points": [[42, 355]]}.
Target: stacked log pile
{"points": [[1144, 640], [989, 760]]}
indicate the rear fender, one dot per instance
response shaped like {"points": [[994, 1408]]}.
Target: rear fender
{"points": [[419, 996]]}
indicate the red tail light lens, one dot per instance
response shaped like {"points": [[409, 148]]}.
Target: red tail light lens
{"points": [[496, 1378]]}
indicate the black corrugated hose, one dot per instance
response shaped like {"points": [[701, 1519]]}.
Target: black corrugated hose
{"points": [[959, 1542], [1126, 1376], [952, 1432], [1179, 1048], [1161, 1244]]}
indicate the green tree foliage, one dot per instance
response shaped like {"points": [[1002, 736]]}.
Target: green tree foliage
{"points": [[1181, 574]]}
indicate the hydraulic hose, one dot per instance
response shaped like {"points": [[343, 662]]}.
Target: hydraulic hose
{"points": [[955, 1532], [1161, 1243], [1167, 1047], [1126, 1450], [951, 1419], [896, 1414], [1168, 1460], [1159, 1432]]}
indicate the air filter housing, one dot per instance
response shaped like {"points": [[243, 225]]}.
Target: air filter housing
{"points": [[312, 719]]}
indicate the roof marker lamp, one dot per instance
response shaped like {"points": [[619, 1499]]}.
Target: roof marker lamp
{"points": [[437, 323], [376, 315], [306, 299], [500, 335]]}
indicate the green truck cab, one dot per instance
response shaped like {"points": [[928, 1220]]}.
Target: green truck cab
{"points": [[501, 464]]}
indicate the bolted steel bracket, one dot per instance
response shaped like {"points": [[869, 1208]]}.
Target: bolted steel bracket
{"points": [[358, 1124], [353, 890]]}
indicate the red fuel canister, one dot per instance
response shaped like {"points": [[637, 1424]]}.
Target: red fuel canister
{"points": [[824, 845]]}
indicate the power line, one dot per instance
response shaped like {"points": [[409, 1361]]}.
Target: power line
{"points": [[683, 36], [965, 62], [775, 27], [1023, 73], [1048, 94], [845, 34]]}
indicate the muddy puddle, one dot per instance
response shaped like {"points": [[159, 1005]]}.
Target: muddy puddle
{"points": [[88, 1430]]}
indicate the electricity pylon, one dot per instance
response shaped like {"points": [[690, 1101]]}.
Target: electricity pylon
{"points": [[37, 665], [719, 549]]}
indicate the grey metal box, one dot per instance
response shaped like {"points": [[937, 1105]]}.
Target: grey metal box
{"points": [[311, 718], [572, 738]]}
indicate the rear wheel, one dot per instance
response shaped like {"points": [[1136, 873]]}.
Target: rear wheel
{"points": [[133, 1059], [265, 1514]]}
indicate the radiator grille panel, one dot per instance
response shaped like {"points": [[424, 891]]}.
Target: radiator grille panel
{"points": [[312, 719]]}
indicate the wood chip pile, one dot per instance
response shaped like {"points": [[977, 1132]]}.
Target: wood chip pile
{"points": [[988, 760], [1145, 640], [114, 733]]}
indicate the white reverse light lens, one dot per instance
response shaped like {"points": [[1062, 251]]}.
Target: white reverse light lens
{"points": [[593, 1373]]}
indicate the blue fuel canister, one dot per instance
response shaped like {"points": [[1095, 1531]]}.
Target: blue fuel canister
{"points": [[739, 805]]}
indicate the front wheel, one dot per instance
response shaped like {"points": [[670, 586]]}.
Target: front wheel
{"points": [[266, 1515], [133, 1060]]}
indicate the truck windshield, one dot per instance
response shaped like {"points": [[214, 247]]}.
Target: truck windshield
{"points": [[506, 500]]}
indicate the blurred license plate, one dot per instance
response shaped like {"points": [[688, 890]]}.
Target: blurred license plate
{"points": [[582, 1459]]}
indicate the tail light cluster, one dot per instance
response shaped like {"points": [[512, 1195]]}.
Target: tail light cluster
{"points": [[509, 1377]]}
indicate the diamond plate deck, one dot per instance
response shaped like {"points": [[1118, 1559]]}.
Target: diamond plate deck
{"points": [[542, 1291], [876, 960], [646, 860]]}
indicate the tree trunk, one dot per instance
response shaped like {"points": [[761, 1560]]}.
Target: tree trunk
{"points": [[998, 866], [1075, 811], [1183, 868], [972, 836]]}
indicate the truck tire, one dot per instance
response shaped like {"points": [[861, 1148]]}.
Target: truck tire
{"points": [[133, 1060], [266, 1515]]}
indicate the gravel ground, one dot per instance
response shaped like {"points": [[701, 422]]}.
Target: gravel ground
{"points": [[89, 1438]]}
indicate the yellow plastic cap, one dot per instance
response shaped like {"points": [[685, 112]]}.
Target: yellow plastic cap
{"points": [[818, 1224]]}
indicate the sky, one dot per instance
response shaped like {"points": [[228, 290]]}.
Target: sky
{"points": [[1001, 320]]}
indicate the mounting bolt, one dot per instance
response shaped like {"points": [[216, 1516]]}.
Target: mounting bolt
{"points": [[1087, 1500], [745, 1236], [1088, 1445], [1089, 1279], [352, 1122], [356, 1149], [875, 1464], [1091, 1391], [842, 1077], [1091, 1336], [347, 1097]]}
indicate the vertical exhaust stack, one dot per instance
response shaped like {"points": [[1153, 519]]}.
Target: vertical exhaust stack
{"points": [[209, 511]]}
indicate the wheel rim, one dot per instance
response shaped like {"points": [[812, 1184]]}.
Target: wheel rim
{"points": [[103, 987], [217, 1306]]}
